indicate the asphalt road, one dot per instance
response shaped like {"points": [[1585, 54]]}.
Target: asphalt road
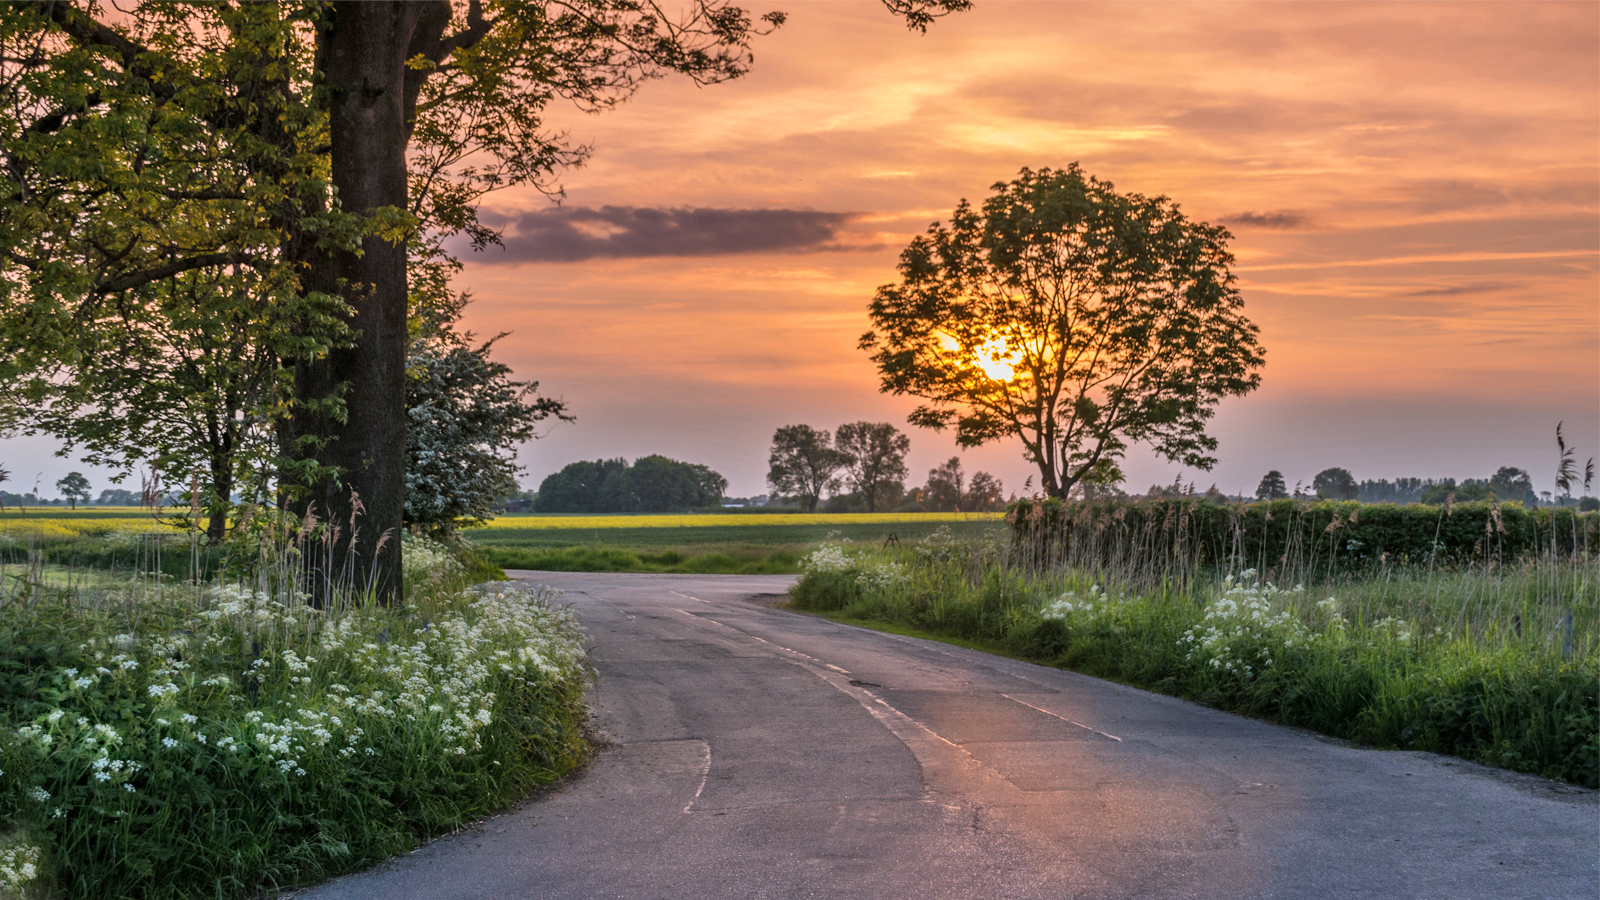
{"points": [[760, 753]]}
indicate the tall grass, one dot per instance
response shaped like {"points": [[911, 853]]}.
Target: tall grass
{"points": [[1497, 661], [221, 736]]}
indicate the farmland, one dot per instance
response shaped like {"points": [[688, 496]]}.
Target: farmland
{"points": [[703, 543], [729, 543]]}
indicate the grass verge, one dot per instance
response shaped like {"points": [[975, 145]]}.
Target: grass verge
{"points": [[1484, 665]]}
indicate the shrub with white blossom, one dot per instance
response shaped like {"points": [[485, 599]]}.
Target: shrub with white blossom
{"points": [[221, 740], [1246, 626]]}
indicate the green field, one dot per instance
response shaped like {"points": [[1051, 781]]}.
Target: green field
{"points": [[706, 544]]}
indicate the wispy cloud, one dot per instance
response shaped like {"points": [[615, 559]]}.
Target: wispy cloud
{"points": [[1456, 290], [570, 234], [1283, 219]]}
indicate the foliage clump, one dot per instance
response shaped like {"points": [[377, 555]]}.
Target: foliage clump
{"points": [[227, 738], [1074, 318], [652, 484]]}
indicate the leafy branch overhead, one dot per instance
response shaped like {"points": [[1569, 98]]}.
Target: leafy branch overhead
{"points": [[1073, 317], [295, 152]]}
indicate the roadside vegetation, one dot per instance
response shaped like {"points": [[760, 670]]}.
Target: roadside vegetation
{"points": [[181, 737], [1480, 653]]}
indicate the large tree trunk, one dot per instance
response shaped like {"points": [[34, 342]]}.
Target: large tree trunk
{"points": [[364, 50]]}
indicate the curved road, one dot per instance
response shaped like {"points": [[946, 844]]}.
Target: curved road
{"points": [[760, 753]]}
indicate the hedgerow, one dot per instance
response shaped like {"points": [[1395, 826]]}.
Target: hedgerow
{"points": [[1295, 538]]}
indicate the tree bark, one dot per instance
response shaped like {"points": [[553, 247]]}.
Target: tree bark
{"points": [[364, 47]]}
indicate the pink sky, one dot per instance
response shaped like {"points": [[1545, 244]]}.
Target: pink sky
{"points": [[1413, 192]]}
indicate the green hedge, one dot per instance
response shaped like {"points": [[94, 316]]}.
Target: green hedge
{"points": [[1294, 537]]}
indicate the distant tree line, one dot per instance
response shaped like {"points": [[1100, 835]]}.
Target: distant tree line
{"points": [[650, 484], [1508, 484], [862, 467]]}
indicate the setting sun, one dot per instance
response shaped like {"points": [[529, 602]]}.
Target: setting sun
{"points": [[996, 359]]}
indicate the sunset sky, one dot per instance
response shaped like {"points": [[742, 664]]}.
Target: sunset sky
{"points": [[1413, 190]]}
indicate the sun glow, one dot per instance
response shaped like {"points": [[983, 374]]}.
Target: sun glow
{"points": [[996, 359]]}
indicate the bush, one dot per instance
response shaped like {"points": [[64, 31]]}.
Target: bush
{"points": [[217, 741]]}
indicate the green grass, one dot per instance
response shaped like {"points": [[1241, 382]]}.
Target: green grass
{"points": [[745, 549], [1478, 663], [82, 512], [729, 561]]}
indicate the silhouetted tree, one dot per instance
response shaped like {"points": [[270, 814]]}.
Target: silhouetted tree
{"points": [[1513, 485], [652, 484], [74, 487], [117, 497], [1074, 318], [1335, 484], [946, 484], [1272, 487], [582, 487], [874, 458], [802, 463], [984, 493]]}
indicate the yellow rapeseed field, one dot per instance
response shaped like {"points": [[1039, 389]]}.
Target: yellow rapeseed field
{"points": [[731, 519], [21, 528]]}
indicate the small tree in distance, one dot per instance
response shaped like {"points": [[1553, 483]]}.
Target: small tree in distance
{"points": [[945, 486], [74, 487], [984, 493], [1510, 483], [1074, 318], [874, 457], [802, 463], [1272, 487], [1335, 484]]}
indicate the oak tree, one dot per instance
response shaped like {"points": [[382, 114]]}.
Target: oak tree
{"points": [[74, 487], [1072, 317], [310, 142]]}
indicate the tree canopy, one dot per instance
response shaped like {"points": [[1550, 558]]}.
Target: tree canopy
{"points": [[1335, 484], [1073, 317], [1272, 487], [304, 146], [874, 455], [802, 463], [652, 484], [74, 487]]}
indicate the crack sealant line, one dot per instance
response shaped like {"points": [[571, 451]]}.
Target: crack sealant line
{"points": [[879, 708], [1062, 718], [705, 773], [945, 652], [1000, 664]]}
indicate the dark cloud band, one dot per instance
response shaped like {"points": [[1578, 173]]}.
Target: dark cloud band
{"points": [[1285, 220], [570, 234]]}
